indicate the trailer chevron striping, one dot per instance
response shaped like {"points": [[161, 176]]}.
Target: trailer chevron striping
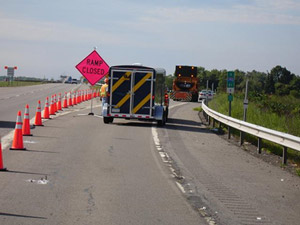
{"points": [[143, 102]]}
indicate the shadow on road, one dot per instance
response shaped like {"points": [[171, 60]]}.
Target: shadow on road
{"points": [[23, 216], [24, 172], [185, 125], [7, 124], [31, 150], [135, 124], [184, 122]]}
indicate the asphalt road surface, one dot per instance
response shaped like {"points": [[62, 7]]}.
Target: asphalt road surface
{"points": [[13, 99], [78, 170]]}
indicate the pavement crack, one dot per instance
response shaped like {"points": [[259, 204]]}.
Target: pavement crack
{"points": [[91, 202]]}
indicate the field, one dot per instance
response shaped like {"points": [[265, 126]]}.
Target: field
{"points": [[18, 83]]}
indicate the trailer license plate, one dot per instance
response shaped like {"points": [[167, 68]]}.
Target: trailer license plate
{"points": [[115, 110]]}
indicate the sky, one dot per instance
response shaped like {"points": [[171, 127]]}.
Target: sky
{"points": [[49, 38]]}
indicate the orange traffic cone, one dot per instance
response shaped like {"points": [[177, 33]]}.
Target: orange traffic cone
{"points": [[86, 95], [83, 95], [18, 137], [46, 110], [52, 109], [55, 104], [59, 102], [78, 97], [1, 159], [65, 105], [38, 115], [74, 99], [26, 123], [90, 95], [70, 99], [80, 92]]}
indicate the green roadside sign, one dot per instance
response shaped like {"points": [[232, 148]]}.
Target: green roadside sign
{"points": [[230, 82]]}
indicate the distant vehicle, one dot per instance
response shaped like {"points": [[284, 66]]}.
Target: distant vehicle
{"points": [[68, 80], [205, 93], [185, 84], [136, 92], [74, 81]]}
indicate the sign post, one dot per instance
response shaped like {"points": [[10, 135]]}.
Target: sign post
{"points": [[230, 91], [93, 68], [10, 72], [245, 111]]}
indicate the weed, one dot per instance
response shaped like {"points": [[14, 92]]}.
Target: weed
{"points": [[298, 171], [198, 109]]}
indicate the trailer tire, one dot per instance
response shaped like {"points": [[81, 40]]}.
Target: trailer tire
{"points": [[166, 114], [106, 119], [162, 122]]}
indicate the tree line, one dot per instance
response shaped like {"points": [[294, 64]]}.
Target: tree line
{"points": [[279, 81]]}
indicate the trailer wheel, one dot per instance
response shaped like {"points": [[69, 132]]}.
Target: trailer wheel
{"points": [[162, 122], [167, 114], [106, 119]]}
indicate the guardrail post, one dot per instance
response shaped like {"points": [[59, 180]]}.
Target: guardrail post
{"points": [[284, 155], [220, 127], [214, 122], [229, 132], [259, 145], [208, 120], [241, 138]]}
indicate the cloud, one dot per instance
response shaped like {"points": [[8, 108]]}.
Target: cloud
{"points": [[281, 5], [33, 30], [260, 12]]}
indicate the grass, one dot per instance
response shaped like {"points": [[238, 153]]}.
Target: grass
{"points": [[199, 109], [298, 171], [255, 115], [262, 117], [18, 83]]}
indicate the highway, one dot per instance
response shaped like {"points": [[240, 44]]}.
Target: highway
{"points": [[78, 170]]}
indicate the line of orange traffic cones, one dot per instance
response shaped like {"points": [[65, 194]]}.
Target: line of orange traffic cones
{"points": [[23, 128]]}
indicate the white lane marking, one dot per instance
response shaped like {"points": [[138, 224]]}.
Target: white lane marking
{"points": [[7, 139], [29, 142], [180, 187], [41, 181], [164, 156]]}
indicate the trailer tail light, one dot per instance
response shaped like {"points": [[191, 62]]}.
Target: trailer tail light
{"points": [[166, 100]]}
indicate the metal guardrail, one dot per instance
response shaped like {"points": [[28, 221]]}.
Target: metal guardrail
{"points": [[286, 140]]}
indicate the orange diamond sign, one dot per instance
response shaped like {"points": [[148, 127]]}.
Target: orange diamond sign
{"points": [[93, 67]]}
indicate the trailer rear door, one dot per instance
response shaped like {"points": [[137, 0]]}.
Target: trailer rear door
{"points": [[131, 92]]}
